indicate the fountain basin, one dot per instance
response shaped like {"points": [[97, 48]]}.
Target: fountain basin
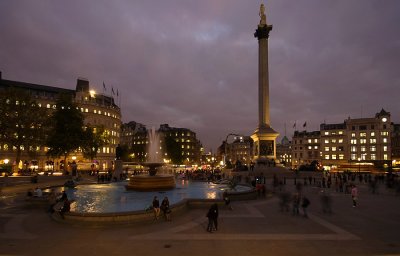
{"points": [[151, 183]]}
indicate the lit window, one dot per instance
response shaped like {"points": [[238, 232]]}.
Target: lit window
{"points": [[86, 110], [315, 147], [353, 134], [384, 133], [326, 133], [333, 148], [326, 149], [309, 147], [385, 149], [95, 111], [363, 141], [340, 140], [372, 141], [363, 134], [353, 141], [353, 149], [385, 157], [363, 149], [341, 156], [333, 156], [315, 140], [373, 156], [384, 140], [309, 140], [48, 106], [327, 157], [372, 148], [334, 141], [372, 134], [353, 156], [326, 141], [340, 132]]}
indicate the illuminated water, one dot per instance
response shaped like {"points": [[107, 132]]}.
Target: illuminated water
{"points": [[113, 197]]}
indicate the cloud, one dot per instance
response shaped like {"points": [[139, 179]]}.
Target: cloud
{"points": [[193, 64]]}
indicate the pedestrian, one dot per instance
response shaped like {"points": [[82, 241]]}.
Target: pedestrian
{"points": [[354, 195], [227, 200], [156, 208], [295, 203], [305, 203], [212, 216], [165, 209], [326, 202]]}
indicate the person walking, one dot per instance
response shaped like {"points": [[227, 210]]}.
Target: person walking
{"points": [[156, 208], [212, 216], [305, 203], [295, 204], [165, 209], [354, 195]]}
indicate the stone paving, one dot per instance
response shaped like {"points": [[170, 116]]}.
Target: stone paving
{"points": [[252, 228]]}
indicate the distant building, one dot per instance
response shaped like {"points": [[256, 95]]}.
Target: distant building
{"points": [[305, 148], [135, 137], [97, 109], [284, 152], [396, 146], [239, 150]]}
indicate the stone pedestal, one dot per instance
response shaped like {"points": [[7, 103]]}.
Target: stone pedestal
{"points": [[117, 169]]}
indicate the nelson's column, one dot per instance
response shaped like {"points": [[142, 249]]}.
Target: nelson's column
{"points": [[264, 136]]}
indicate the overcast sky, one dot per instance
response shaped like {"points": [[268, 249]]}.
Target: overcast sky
{"points": [[193, 63]]}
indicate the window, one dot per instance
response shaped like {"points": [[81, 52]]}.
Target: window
{"points": [[353, 134], [373, 156], [315, 140], [340, 140], [327, 149], [326, 141], [309, 147], [363, 149], [340, 132], [353, 157], [315, 147], [385, 149], [384, 133], [372, 141], [363, 134], [341, 156], [341, 148], [353, 128], [385, 157], [363, 141], [353, 149], [372, 127], [362, 127], [327, 157], [309, 140], [372, 148], [333, 148], [353, 141], [326, 133], [384, 140], [372, 134], [384, 126], [334, 157]]}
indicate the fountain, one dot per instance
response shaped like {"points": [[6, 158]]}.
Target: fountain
{"points": [[152, 182]]}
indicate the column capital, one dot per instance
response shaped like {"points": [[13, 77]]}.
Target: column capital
{"points": [[262, 31]]}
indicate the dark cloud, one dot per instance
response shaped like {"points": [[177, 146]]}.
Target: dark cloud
{"points": [[194, 63]]}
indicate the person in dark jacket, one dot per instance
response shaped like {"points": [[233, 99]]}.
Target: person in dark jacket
{"points": [[212, 216]]}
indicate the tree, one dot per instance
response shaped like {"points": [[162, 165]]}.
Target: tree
{"points": [[67, 128], [93, 139], [22, 121], [173, 150]]}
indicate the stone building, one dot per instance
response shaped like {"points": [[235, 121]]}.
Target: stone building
{"points": [[305, 148], [284, 152], [97, 109]]}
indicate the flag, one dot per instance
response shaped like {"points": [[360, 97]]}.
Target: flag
{"points": [[294, 125], [112, 90], [305, 124], [104, 87]]}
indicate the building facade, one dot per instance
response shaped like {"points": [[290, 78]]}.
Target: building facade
{"points": [[306, 148], [284, 152], [97, 109], [136, 139]]}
